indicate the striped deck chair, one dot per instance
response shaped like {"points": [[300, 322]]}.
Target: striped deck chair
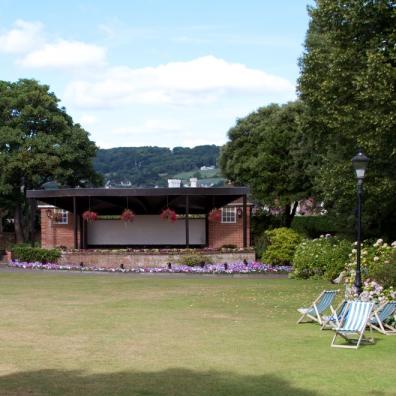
{"points": [[333, 321], [353, 323], [315, 311], [378, 320]]}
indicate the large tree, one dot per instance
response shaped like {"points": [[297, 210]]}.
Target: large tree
{"points": [[38, 143], [347, 82], [265, 151]]}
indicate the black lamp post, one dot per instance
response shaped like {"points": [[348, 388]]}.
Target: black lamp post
{"points": [[359, 162]]}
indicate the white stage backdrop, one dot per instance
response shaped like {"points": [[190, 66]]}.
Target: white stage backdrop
{"points": [[146, 230]]}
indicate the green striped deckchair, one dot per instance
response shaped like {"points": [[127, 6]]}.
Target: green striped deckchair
{"points": [[315, 311], [353, 324], [333, 321], [378, 320]]}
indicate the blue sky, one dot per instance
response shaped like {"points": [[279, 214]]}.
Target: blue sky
{"points": [[150, 72]]}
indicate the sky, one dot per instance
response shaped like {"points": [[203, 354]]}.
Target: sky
{"points": [[156, 72]]}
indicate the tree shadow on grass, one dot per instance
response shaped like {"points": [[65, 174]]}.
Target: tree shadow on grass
{"points": [[171, 382]]}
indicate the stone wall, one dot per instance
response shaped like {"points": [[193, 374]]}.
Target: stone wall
{"points": [[135, 259]]}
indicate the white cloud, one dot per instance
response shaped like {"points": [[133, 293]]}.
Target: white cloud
{"points": [[87, 119], [202, 80], [22, 37], [145, 132], [65, 54], [27, 39], [148, 127]]}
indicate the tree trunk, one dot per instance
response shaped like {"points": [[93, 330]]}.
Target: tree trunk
{"points": [[289, 213], [18, 224]]}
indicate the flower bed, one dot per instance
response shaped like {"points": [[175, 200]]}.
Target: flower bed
{"points": [[234, 268]]}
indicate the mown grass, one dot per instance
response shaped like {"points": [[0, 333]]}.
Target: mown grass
{"points": [[80, 334]]}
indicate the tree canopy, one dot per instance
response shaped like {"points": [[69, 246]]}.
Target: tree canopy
{"points": [[347, 83], [265, 151], [38, 143]]}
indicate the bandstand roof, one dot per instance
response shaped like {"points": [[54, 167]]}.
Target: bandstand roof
{"points": [[141, 200]]}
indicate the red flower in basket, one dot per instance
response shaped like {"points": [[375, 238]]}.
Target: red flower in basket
{"points": [[57, 217], [214, 215], [90, 216], [127, 215], [168, 214]]}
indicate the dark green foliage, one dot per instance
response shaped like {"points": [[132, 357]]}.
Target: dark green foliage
{"points": [[281, 245], [348, 83], [266, 152], [259, 223], [320, 258], [150, 166], [314, 226], [32, 254], [194, 259], [39, 142]]}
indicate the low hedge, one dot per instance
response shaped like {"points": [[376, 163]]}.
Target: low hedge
{"points": [[35, 255]]}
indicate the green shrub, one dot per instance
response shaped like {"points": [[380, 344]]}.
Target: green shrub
{"points": [[194, 259], [260, 222], [281, 244], [320, 258], [260, 245], [33, 254]]}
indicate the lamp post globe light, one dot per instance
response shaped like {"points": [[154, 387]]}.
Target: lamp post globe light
{"points": [[359, 162]]}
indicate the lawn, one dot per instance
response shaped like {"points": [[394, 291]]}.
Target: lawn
{"points": [[117, 334]]}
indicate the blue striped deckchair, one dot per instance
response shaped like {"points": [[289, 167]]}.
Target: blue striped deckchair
{"points": [[378, 320], [353, 323], [315, 311], [333, 321]]}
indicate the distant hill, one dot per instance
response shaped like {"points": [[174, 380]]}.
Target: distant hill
{"points": [[152, 166]]}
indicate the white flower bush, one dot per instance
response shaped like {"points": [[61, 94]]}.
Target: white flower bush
{"points": [[378, 270], [373, 291]]}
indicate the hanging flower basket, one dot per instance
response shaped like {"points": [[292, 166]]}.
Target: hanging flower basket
{"points": [[90, 216], [214, 215], [168, 214], [127, 215], [54, 215], [57, 217]]}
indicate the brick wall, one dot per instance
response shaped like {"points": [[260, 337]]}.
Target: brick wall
{"points": [[220, 234], [53, 235]]}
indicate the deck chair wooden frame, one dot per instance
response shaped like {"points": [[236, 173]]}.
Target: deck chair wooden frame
{"points": [[380, 315], [333, 321], [353, 325], [314, 312]]}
